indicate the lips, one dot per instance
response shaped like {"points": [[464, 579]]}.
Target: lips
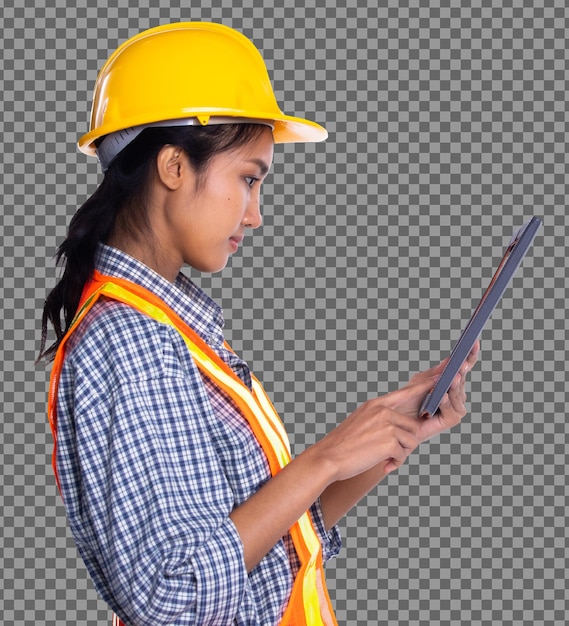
{"points": [[235, 241]]}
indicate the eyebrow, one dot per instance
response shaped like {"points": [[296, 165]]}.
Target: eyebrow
{"points": [[261, 165]]}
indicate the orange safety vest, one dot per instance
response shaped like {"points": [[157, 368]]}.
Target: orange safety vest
{"points": [[309, 604]]}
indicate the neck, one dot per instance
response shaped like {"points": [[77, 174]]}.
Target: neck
{"points": [[151, 255]]}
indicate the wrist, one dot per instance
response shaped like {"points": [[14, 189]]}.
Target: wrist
{"points": [[321, 467]]}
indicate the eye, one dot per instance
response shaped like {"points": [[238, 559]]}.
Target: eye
{"points": [[251, 180]]}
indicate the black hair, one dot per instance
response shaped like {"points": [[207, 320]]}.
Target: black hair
{"points": [[119, 205]]}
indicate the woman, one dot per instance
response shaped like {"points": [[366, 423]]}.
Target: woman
{"points": [[173, 466]]}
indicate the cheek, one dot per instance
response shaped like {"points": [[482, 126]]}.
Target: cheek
{"points": [[231, 209]]}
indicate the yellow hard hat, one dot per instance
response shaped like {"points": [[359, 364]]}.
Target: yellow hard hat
{"points": [[200, 72]]}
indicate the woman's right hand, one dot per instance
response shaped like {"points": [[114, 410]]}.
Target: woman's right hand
{"points": [[382, 430], [340, 469]]}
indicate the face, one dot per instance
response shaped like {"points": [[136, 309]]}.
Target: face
{"points": [[204, 226]]}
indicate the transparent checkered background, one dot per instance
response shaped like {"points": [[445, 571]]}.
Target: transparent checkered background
{"points": [[448, 128]]}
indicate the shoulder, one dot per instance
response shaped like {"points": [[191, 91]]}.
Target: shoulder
{"points": [[119, 341]]}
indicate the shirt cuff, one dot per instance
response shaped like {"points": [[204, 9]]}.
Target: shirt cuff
{"points": [[330, 540], [221, 576]]}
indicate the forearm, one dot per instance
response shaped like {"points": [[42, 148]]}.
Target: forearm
{"points": [[270, 513], [340, 469], [339, 497]]}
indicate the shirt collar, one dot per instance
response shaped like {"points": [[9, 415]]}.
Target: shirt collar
{"points": [[192, 304]]}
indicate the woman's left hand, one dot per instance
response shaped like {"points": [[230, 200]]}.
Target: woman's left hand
{"points": [[453, 406]]}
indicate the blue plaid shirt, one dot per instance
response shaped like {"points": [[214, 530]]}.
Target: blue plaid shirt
{"points": [[152, 458]]}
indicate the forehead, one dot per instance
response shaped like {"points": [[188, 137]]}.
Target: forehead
{"points": [[258, 151]]}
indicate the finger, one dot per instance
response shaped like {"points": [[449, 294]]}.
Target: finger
{"points": [[432, 372], [407, 443], [415, 389], [391, 465], [407, 440], [400, 421], [456, 402], [436, 370], [406, 423], [458, 380], [473, 356], [453, 406], [408, 399], [458, 385], [401, 449], [468, 363]]}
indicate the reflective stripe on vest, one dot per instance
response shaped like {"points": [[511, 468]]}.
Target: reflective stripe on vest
{"points": [[309, 604]]}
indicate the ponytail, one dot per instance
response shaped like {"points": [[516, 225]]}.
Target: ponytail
{"points": [[117, 202], [92, 223]]}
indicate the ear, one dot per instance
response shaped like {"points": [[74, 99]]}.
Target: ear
{"points": [[172, 165]]}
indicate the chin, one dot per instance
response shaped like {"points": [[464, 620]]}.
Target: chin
{"points": [[209, 268]]}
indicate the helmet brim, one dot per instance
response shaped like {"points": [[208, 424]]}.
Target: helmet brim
{"points": [[287, 128]]}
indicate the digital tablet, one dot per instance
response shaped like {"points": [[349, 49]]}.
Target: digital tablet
{"points": [[515, 252]]}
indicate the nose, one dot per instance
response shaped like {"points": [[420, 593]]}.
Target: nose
{"points": [[253, 217]]}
